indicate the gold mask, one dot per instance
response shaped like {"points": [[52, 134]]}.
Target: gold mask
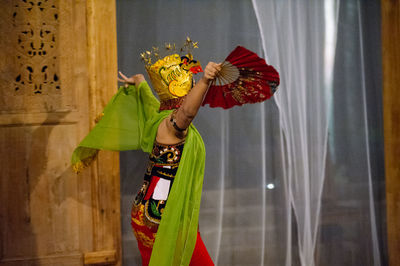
{"points": [[172, 76]]}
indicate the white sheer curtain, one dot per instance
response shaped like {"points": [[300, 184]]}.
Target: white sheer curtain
{"points": [[299, 39], [297, 180]]}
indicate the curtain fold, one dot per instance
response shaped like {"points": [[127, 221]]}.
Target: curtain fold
{"points": [[295, 44], [319, 81], [299, 179]]}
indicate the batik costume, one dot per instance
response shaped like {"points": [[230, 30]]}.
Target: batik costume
{"points": [[129, 122]]}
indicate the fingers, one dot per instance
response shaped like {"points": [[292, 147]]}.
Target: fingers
{"points": [[122, 75], [124, 78], [211, 71], [214, 66], [135, 79]]}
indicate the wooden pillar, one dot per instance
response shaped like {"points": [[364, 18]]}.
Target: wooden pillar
{"points": [[102, 73], [391, 112]]}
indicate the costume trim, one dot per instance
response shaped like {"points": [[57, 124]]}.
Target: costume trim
{"points": [[80, 165], [171, 104]]}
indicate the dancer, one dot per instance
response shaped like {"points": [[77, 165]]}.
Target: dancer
{"points": [[165, 211]]}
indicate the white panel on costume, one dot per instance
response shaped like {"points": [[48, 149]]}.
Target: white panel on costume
{"points": [[161, 190]]}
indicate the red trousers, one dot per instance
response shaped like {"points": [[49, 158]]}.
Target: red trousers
{"points": [[145, 236], [200, 255]]}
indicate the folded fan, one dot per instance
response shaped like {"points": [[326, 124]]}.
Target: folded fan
{"points": [[244, 78]]}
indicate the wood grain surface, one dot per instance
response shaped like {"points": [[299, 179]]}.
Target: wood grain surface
{"points": [[391, 105], [58, 70]]}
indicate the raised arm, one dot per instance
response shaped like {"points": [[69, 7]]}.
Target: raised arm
{"points": [[173, 129]]}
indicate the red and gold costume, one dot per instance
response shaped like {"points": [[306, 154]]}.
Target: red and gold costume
{"points": [[151, 200]]}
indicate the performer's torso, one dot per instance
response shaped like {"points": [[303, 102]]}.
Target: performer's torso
{"points": [[152, 198]]}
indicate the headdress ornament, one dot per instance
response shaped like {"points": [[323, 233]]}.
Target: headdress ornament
{"points": [[172, 75]]}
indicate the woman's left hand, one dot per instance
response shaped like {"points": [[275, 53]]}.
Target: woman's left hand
{"points": [[135, 79], [211, 71]]}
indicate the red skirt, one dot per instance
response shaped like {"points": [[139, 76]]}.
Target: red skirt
{"points": [[145, 235]]}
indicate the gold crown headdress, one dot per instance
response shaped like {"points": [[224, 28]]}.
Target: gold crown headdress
{"points": [[171, 75]]}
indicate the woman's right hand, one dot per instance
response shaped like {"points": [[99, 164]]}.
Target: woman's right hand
{"points": [[134, 80]]}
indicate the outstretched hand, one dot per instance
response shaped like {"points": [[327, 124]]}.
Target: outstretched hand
{"points": [[134, 80]]}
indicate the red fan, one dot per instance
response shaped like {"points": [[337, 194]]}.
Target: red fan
{"points": [[244, 78]]}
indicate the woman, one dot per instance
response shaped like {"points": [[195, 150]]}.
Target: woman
{"points": [[135, 119]]}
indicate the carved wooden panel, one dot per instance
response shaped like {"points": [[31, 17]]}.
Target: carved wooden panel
{"points": [[31, 77]]}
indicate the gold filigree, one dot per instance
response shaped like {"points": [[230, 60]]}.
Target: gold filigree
{"points": [[144, 239], [165, 174], [98, 118], [79, 166], [139, 212], [149, 167], [149, 56]]}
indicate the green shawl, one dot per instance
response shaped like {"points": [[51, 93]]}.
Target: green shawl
{"points": [[129, 122]]}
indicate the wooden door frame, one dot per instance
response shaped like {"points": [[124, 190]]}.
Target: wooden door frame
{"points": [[102, 76], [390, 10]]}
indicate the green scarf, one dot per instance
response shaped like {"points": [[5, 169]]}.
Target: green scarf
{"points": [[129, 122]]}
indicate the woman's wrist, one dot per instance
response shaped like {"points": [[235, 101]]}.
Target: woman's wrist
{"points": [[140, 83], [205, 80]]}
